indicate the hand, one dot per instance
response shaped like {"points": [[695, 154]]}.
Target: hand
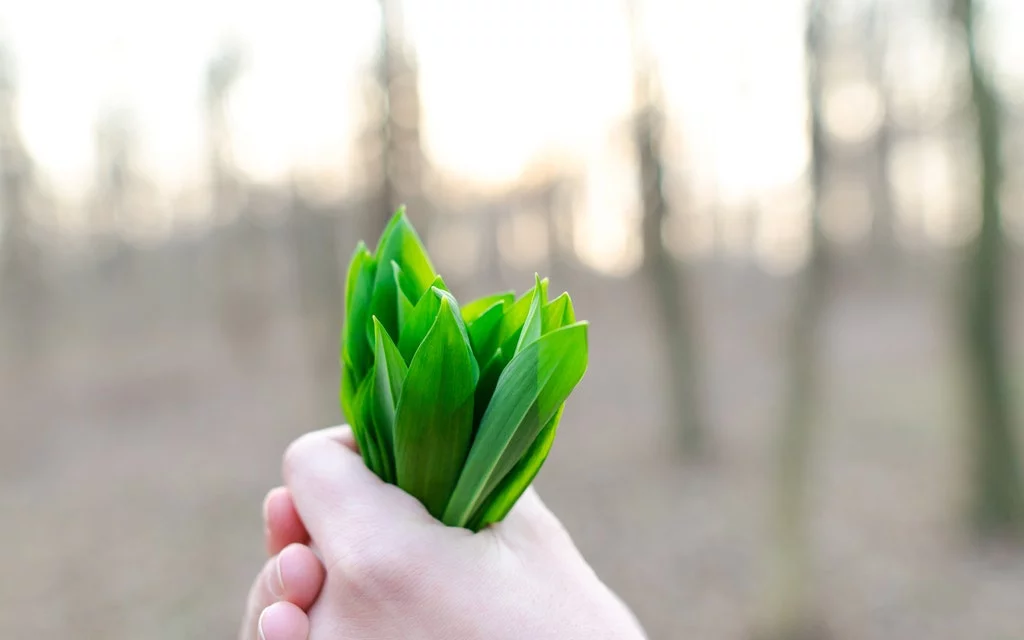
{"points": [[290, 580], [394, 572]]}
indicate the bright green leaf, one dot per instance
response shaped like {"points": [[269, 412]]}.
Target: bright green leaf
{"points": [[504, 497], [529, 392], [390, 370], [401, 244], [434, 422], [532, 325], [359, 294], [473, 310], [419, 322], [557, 314]]}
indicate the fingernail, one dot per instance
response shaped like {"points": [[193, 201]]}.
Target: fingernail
{"points": [[259, 625], [277, 582]]}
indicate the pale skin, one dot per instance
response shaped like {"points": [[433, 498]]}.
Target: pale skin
{"points": [[394, 572]]}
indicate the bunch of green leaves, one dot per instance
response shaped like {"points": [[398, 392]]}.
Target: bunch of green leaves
{"points": [[458, 405]]}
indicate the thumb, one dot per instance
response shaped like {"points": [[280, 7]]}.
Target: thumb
{"points": [[341, 502]]}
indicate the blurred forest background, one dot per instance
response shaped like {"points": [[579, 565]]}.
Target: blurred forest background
{"points": [[797, 229]]}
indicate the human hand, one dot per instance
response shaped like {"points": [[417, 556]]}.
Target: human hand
{"points": [[290, 580]]}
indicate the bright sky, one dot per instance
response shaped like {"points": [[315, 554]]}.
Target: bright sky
{"points": [[501, 82]]}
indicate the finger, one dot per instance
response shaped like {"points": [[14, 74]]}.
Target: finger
{"points": [[283, 525], [337, 497], [283, 621], [295, 575], [301, 575]]}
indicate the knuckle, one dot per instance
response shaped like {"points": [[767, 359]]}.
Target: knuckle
{"points": [[293, 455]]}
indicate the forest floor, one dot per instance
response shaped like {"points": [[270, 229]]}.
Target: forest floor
{"points": [[133, 465]]}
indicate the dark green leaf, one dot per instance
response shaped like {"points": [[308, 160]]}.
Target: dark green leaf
{"points": [[529, 392], [482, 331], [497, 505], [434, 422], [488, 381]]}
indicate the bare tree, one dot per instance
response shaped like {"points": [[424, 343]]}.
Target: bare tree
{"points": [[998, 494], [791, 611], [666, 278], [395, 122], [883, 224], [21, 277]]}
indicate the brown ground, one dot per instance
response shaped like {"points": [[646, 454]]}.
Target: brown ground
{"points": [[133, 467]]}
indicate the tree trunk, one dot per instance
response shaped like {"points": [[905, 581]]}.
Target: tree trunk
{"points": [[997, 498], [790, 611], [665, 277]]}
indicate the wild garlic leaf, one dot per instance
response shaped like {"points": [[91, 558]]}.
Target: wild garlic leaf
{"points": [[530, 390], [390, 370], [434, 421], [474, 309], [497, 505]]}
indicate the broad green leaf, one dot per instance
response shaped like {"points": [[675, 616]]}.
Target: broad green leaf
{"points": [[529, 392], [404, 283], [454, 305], [497, 505], [401, 244], [476, 308], [532, 325], [482, 331], [434, 421], [356, 345], [557, 314], [390, 370], [418, 323]]}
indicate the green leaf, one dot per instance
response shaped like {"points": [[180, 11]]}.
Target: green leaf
{"points": [[349, 386], [390, 371], [532, 325], [362, 426], [360, 257], [418, 323], [473, 310], [512, 321], [482, 331], [557, 314], [434, 422], [529, 392], [358, 294], [487, 383], [401, 244], [507, 493]]}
